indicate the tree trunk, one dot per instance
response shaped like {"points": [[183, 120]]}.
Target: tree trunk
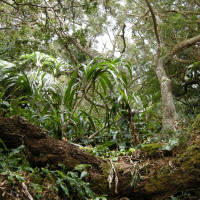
{"points": [[170, 116], [163, 172]]}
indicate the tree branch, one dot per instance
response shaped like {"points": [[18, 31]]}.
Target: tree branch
{"points": [[70, 52], [96, 104], [156, 32], [185, 61], [180, 46], [124, 41], [197, 2], [78, 45], [183, 70], [103, 128], [154, 22]]}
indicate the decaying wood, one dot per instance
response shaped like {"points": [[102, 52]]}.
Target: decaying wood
{"points": [[163, 173]]}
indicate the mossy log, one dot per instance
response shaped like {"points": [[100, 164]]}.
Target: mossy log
{"points": [[159, 174]]}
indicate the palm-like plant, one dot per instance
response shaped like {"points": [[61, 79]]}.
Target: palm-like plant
{"points": [[90, 73], [41, 61], [54, 106]]}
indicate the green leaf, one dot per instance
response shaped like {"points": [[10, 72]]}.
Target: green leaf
{"points": [[103, 197], [114, 159], [114, 62], [10, 177], [71, 180], [129, 68], [166, 147], [71, 98], [3, 145], [61, 174], [114, 76], [90, 118], [107, 80], [82, 166], [55, 188], [80, 191], [64, 188], [4, 173], [89, 192], [29, 169], [124, 78], [119, 100], [37, 187], [69, 88], [93, 73], [13, 159], [19, 177], [61, 165], [73, 174], [5, 103], [103, 85], [84, 174], [16, 151], [38, 196], [174, 141]]}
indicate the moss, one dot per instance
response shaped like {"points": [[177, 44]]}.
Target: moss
{"points": [[153, 180], [196, 124], [152, 149], [106, 169]]}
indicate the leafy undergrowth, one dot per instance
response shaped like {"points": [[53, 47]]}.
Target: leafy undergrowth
{"points": [[18, 180]]}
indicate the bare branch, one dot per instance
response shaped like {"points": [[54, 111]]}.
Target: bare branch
{"points": [[115, 41], [143, 85], [103, 128], [93, 103], [184, 13], [154, 22], [184, 61], [123, 32], [194, 30], [186, 43], [70, 52], [141, 16], [183, 70], [139, 5], [88, 45], [78, 45], [12, 5], [156, 33]]}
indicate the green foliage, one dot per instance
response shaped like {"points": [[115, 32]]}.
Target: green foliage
{"points": [[13, 163], [135, 175], [104, 97], [51, 106]]}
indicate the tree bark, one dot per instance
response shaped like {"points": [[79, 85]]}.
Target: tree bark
{"points": [[170, 116], [163, 173]]}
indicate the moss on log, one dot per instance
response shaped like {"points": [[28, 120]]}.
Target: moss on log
{"points": [[159, 173]]}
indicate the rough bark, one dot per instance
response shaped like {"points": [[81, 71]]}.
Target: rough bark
{"points": [[163, 173], [170, 116]]}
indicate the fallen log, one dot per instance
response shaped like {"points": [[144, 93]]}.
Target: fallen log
{"points": [[148, 175]]}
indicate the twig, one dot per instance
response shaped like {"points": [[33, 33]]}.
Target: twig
{"points": [[103, 129], [26, 191]]}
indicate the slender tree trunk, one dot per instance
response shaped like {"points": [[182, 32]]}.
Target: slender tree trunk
{"points": [[170, 116]]}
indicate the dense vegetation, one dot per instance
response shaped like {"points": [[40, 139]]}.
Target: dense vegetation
{"points": [[110, 102]]}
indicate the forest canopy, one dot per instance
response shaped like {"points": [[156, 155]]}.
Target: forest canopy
{"points": [[110, 77]]}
